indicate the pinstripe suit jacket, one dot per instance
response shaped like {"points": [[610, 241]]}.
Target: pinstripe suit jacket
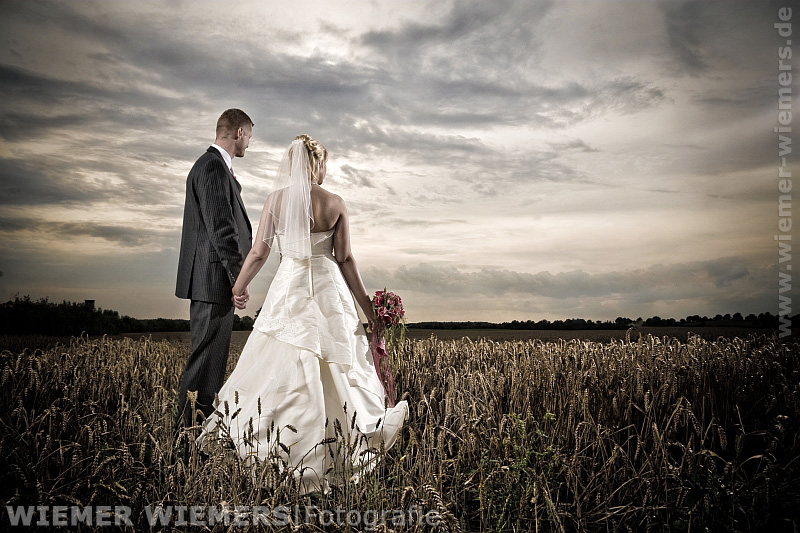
{"points": [[216, 232]]}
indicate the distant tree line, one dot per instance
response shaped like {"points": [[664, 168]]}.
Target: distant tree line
{"points": [[24, 316], [762, 320]]}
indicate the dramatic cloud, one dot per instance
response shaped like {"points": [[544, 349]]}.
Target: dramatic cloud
{"points": [[499, 160], [659, 289]]}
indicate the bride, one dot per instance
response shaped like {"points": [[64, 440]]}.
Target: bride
{"points": [[306, 371]]}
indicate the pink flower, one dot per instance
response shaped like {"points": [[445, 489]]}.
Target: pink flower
{"points": [[389, 308]]}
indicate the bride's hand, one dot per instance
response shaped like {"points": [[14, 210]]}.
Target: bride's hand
{"points": [[240, 300]]}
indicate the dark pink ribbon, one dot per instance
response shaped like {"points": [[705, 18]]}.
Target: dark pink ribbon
{"points": [[378, 356]]}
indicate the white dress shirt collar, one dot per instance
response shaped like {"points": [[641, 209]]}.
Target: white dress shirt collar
{"points": [[225, 155]]}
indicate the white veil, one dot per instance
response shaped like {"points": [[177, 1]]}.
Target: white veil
{"points": [[290, 215]]}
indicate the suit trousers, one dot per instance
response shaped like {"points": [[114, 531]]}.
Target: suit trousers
{"points": [[211, 325]]}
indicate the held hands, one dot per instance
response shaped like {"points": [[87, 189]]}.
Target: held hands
{"points": [[240, 300]]}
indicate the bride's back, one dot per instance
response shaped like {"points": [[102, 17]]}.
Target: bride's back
{"points": [[327, 208]]}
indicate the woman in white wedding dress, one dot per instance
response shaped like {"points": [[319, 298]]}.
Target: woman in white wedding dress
{"points": [[307, 362]]}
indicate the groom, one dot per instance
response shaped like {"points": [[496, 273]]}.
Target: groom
{"points": [[216, 238]]}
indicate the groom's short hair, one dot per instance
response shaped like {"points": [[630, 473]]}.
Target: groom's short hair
{"points": [[231, 120]]}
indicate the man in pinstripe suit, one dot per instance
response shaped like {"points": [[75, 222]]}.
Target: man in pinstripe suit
{"points": [[216, 238]]}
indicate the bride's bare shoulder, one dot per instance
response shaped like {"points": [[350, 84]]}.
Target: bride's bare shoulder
{"points": [[329, 199], [274, 196]]}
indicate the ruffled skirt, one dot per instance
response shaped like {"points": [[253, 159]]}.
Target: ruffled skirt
{"points": [[280, 392]]}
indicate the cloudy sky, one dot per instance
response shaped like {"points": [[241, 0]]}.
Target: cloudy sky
{"points": [[500, 160]]}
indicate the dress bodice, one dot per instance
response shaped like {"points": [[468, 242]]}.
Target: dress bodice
{"points": [[322, 243], [309, 304]]}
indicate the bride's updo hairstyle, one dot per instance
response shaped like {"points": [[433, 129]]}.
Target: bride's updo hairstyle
{"points": [[317, 154]]}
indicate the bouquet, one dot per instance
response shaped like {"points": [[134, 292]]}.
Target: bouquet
{"points": [[390, 328]]}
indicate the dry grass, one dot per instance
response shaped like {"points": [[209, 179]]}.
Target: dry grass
{"points": [[649, 434]]}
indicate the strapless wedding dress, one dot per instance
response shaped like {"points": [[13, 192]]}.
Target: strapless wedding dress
{"points": [[306, 362]]}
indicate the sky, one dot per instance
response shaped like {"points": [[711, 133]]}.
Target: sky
{"points": [[499, 160]]}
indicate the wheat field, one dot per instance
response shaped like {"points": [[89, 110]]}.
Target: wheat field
{"points": [[637, 434]]}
